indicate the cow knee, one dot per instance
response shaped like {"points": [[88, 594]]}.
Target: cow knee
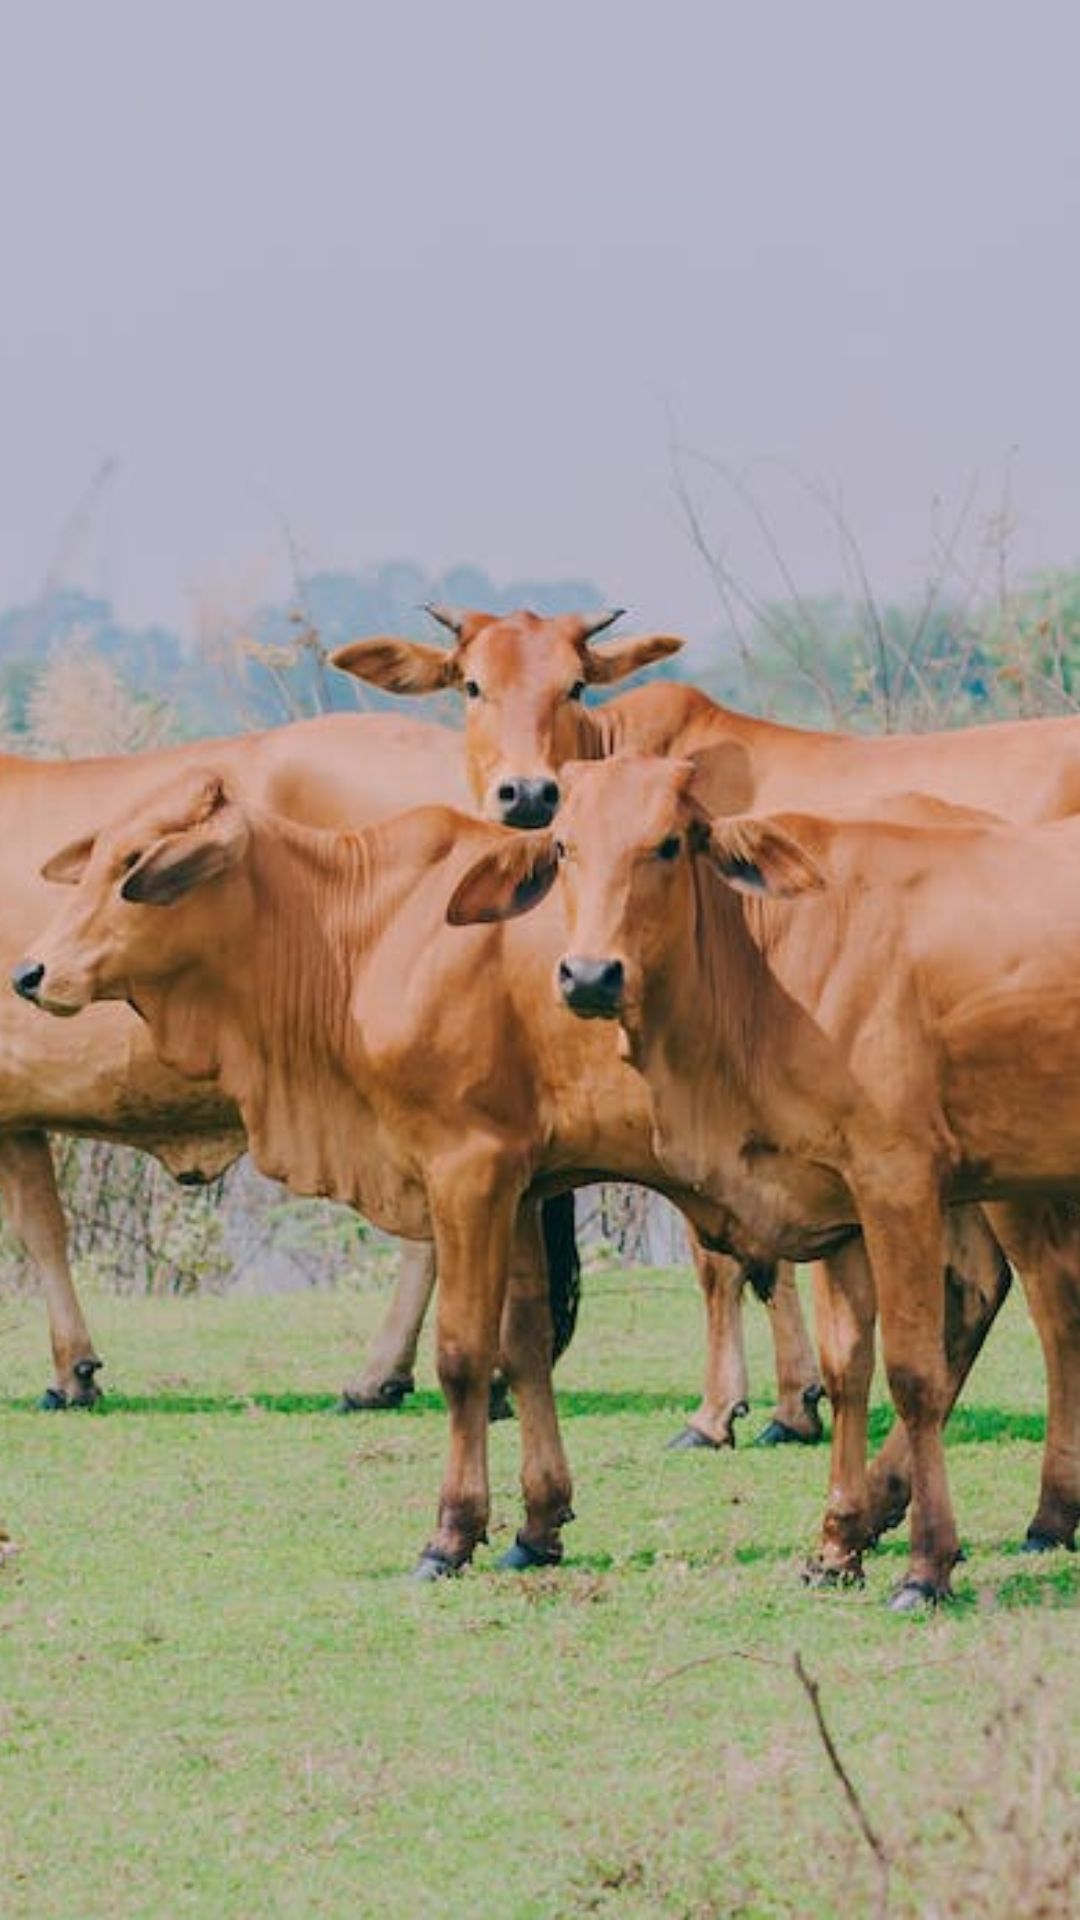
{"points": [[462, 1373], [918, 1394]]}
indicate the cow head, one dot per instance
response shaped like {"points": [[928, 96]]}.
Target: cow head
{"points": [[631, 833], [522, 678], [112, 931]]}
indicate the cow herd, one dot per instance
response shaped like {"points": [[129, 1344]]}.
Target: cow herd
{"points": [[820, 991]]}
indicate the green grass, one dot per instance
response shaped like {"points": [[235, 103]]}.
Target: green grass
{"points": [[220, 1696]]}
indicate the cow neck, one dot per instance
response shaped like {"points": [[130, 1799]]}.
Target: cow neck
{"points": [[270, 1013], [705, 1012], [666, 717]]}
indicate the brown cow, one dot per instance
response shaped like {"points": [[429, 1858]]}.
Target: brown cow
{"points": [[105, 1080], [855, 1056], [522, 677], [425, 1075]]}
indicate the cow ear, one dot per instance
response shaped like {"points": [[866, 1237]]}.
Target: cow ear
{"points": [[179, 862], [615, 659], [398, 666], [69, 864], [506, 882], [756, 856], [722, 779]]}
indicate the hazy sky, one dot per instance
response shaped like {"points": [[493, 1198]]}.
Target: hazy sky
{"points": [[433, 280]]}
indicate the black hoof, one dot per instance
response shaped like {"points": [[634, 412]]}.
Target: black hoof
{"points": [[779, 1434], [87, 1392], [382, 1399], [692, 1438], [433, 1565], [53, 1400], [1038, 1542], [521, 1557], [915, 1596]]}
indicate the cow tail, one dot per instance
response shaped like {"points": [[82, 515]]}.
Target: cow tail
{"points": [[564, 1268]]}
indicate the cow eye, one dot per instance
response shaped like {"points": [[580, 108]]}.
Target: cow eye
{"points": [[576, 690], [472, 690], [669, 848]]}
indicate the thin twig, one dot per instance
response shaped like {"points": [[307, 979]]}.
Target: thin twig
{"points": [[870, 1835]]}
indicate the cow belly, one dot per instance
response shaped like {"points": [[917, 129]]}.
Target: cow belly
{"points": [[1011, 1091]]}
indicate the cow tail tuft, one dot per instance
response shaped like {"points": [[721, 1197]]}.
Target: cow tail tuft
{"points": [[564, 1268]]}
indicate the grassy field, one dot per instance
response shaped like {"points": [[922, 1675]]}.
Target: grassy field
{"points": [[220, 1696]]}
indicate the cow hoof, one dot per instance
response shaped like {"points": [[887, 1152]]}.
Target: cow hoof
{"points": [[383, 1399], [87, 1392], [500, 1405], [53, 1400], [433, 1565], [691, 1438], [779, 1434], [1036, 1541], [816, 1573], [915, 1596], [522, 1556]]}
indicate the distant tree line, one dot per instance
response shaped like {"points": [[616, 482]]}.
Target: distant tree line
{"points": [[75, 678]]}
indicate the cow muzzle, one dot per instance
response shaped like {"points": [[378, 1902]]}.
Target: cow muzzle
{"points": [[593, 989], [525, 803], [37, 983], [26, 979]]}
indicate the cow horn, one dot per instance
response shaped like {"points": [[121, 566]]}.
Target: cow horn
{"points": [[452, 617], [593, 623]]}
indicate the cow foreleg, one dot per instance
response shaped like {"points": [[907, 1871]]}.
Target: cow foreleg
{"points": [[1043, 1239], [726, 1396], [798, 1377], [906, 1248], [528, 1346], [474, 1212], [387, 1374], [977, 1282], [844, 1309], [32, 1204]]}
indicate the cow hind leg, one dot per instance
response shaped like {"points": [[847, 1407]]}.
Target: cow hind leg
{"points": [[905, 1243], [387, 1374], [529, 1346], [725, 1398], [977, 1282], [795, 1417], [31, 1202], [844, 1308], [1043, 1239]]}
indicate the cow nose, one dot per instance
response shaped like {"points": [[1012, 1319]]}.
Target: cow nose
{"points": [[591, 988], [27, 977], [527, 803]]}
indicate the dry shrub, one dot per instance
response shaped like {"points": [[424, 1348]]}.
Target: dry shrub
{"points": [[79, 705]]}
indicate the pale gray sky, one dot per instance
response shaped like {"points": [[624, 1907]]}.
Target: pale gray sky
{"points": [[432, 276]]}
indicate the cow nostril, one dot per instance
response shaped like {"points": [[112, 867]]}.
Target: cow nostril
{"points": [[507, 792], [611, 975], [549, 793], [566, 973], [27, 977]]}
